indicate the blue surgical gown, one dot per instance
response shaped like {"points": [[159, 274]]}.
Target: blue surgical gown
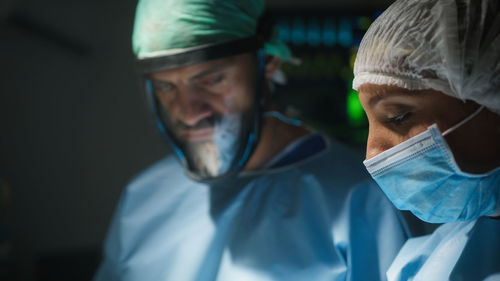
{"points": [[461, 251], [303, 221]]}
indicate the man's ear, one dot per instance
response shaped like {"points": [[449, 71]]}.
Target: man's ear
{"points": [[272, 65]]}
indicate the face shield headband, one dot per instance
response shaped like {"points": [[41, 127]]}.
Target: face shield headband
{"points": [[234, 136], [165, 60]]}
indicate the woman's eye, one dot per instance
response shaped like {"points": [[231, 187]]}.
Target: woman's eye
{"points": [[398, 119]]}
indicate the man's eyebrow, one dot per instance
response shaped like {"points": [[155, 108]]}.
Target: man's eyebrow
{"points": [[159, 81], [210, 70]]}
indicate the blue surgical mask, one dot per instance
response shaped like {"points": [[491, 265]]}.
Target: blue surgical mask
{"points": [[422, 176]]}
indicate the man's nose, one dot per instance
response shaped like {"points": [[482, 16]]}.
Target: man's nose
{"points": [[194, 107]]}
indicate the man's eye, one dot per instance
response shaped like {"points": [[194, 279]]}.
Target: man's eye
{"points": [[163, 87], [399, 119], [214, 80]]}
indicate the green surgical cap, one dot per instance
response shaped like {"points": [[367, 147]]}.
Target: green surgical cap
{"points": [[175, 25]]}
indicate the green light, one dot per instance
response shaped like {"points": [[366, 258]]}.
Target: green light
{"points": [[355, 112], [364, 23]]}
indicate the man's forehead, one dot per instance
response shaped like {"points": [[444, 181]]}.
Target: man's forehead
{"points": [[196, 70]]}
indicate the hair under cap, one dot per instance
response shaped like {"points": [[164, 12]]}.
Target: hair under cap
{"points": [[452, 46]]}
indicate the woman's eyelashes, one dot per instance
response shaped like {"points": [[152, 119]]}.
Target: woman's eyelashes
{"points": [[399, 119]]}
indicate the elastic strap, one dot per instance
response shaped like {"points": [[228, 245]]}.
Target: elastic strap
{"points": [[282, 117], [464, 121]]}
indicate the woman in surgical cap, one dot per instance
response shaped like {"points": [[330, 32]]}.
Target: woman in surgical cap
{"points": [[428, 77]]}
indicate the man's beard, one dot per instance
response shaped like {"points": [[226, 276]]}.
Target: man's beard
{"points": [[204, 158], [215, 156]]}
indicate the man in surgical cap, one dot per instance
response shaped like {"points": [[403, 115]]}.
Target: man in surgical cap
{"points": [[428, 75], [249, 194]]}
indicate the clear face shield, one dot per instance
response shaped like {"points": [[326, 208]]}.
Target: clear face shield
{"points": [[212, 121]]}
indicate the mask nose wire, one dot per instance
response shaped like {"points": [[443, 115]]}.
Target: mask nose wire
{"points": [[456, 126]]}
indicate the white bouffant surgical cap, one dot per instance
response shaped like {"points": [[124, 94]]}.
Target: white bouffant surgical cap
{"points": [[452, 46]]}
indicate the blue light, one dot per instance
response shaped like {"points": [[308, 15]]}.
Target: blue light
{"points": [[298, 32], [329, 34], [284, 29], [345, 33], [314, 33]]}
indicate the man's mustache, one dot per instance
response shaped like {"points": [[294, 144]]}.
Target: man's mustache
{"points": [[208, 122]]}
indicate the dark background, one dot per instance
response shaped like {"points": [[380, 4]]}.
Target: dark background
{"points": [[74, 128]]}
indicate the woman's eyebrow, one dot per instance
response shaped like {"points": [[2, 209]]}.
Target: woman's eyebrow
{"points": [[381, 94]]}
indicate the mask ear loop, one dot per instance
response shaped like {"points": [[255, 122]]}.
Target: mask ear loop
{"points": [[463, 121]]}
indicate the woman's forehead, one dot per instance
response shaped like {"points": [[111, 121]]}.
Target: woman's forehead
{"points": [[372, 93], [375, 89]]}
